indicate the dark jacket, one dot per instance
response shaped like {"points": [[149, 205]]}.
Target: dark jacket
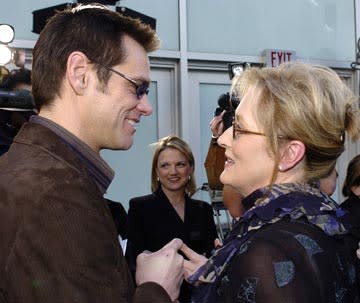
{"points": [[58, 242], [121, 221], [120, 217], [352, 206], [154, 222]]}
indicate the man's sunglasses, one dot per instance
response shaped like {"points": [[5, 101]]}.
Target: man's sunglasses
{"points": [[140, 88]]}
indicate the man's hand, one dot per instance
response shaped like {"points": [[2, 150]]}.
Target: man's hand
{"points": [[358, 251], [195, 260], [164, 267], [217, 125]]}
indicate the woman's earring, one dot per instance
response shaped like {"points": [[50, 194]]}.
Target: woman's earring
{"points": [[158, 179], [189, 177], [280, 168]]}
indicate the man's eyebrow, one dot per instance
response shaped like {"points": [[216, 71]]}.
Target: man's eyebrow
{"points": [[142, 79]]}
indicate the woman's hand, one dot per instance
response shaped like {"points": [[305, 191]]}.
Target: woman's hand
{"points": [[217, 243], [195, 260]]}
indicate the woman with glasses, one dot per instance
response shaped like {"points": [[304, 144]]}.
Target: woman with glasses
{"points": [[291, 244], [170, 212]]}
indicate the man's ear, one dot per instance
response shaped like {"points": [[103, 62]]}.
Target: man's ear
{"points": [[291, 154], [77, 71]]}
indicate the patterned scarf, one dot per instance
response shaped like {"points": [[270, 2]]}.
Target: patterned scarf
{"points": [[269, 205]]}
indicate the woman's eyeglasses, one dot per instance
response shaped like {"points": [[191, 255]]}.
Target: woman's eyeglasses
{"points": [[237, 130], [140, 88]]}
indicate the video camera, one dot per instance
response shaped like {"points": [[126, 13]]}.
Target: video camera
{"points": [[227, 102], [17, 100], [16, 107]]}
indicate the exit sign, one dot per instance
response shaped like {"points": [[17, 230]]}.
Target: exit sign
{"points": [[274, 57]]}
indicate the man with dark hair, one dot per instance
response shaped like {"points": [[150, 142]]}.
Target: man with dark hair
{"points": [[16, 107], [58, 242], [17, 79]]}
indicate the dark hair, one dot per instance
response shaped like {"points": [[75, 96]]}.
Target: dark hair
{"points": [[15, 77], [94, 30], [352, 176]]}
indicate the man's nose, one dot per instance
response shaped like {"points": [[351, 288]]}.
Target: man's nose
{"points": [[145, 106]]}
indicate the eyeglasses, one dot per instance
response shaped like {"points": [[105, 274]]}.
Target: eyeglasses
{"points": [[237, 130], [140, 88]]}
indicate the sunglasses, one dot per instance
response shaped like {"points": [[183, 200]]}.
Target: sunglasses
{"points": [[141, 89]]}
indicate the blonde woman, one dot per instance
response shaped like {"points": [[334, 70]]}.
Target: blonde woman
{"points": [[169, 211], [290, 245]]}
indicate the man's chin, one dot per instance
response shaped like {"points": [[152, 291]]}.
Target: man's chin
{"points": [[126, 145], [120, 145]]}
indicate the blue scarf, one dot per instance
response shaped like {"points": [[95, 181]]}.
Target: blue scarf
{"points": [[267, 206]]}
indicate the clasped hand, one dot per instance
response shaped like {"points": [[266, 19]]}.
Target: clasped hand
{"points": [[167, 267]]}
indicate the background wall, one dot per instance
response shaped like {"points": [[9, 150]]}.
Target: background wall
{"points": [[198, 39]]}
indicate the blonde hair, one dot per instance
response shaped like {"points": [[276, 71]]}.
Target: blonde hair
{"points": [[304, 102], [177, 143]]}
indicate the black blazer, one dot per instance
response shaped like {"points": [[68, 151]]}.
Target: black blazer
{"points": [[352, 206], [120, 217], [154, 222]]}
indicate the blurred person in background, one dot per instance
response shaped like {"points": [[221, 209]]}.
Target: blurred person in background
{"points": [[351, 190], [16, 105], [327, 184]]}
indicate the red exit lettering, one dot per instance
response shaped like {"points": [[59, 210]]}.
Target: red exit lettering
{"points": [[278, 57]]}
